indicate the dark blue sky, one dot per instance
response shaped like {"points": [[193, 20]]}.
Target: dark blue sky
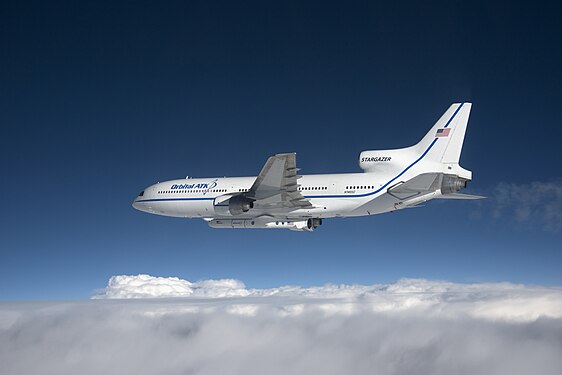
{"points": [[100, 99]]}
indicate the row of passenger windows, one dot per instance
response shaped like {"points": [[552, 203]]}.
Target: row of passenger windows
{"points": [[359, 187], [314, 188], [224, 190], [192, 191], [304, 188]]}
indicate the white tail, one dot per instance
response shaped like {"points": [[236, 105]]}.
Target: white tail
{"points": [[443, 143], [440, 147]]}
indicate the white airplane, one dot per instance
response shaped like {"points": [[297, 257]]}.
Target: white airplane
{"points": [[280, 198]]}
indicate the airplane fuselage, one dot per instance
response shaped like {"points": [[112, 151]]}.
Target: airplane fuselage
{"points": [[331, 195], [280, 198]]}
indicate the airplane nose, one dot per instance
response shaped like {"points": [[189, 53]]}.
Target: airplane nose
{"points": [[136, 204], [141, 203], [140, 206]]}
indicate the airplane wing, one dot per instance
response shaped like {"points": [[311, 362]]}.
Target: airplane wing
{"points": [[276, 185]]}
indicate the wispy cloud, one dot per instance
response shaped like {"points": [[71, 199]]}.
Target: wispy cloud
{"points": [[411, 326], [536, 204]]}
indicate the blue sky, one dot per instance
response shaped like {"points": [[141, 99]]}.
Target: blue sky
{"points": [[99, 100]]}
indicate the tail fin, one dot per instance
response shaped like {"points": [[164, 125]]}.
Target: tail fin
{"points": [[443, 143], [440, 148]]}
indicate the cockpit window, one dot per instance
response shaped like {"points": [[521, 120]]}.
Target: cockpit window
{"points": [[141, 193]]}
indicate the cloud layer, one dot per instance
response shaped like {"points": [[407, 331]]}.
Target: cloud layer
{"points": [[222, 327], [484, 300]]}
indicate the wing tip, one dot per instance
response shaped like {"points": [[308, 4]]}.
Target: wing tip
{"points": [[284, 154]]}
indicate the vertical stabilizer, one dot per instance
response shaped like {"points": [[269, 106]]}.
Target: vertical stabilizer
{"points": [[438, 151], [452, 153], [443, 143]]}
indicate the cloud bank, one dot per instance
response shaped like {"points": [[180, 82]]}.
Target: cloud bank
{"points": [[222, 327], [483, 300], [146, 286]]}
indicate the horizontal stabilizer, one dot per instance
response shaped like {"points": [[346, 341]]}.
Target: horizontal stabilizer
{"points": [[419, 185], [460, 196]]}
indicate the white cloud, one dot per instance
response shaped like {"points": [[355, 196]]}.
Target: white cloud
{"points": [[484, 300], [536, 203], [222, 327], [146, 286]]}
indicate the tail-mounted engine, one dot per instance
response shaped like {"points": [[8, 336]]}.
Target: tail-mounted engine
{"points": [[452, 184], [425, 187]]}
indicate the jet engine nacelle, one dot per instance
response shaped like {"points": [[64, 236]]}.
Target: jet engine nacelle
{"points": [[239, 204], [452, 184]]}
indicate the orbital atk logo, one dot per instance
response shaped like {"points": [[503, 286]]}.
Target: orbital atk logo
{"points": [[205, 186]]}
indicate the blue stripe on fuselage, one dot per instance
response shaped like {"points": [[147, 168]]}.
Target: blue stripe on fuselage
{"points": [[175, 199]]}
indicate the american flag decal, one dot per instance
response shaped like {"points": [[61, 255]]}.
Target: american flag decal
{"points": [[442, 132]]}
